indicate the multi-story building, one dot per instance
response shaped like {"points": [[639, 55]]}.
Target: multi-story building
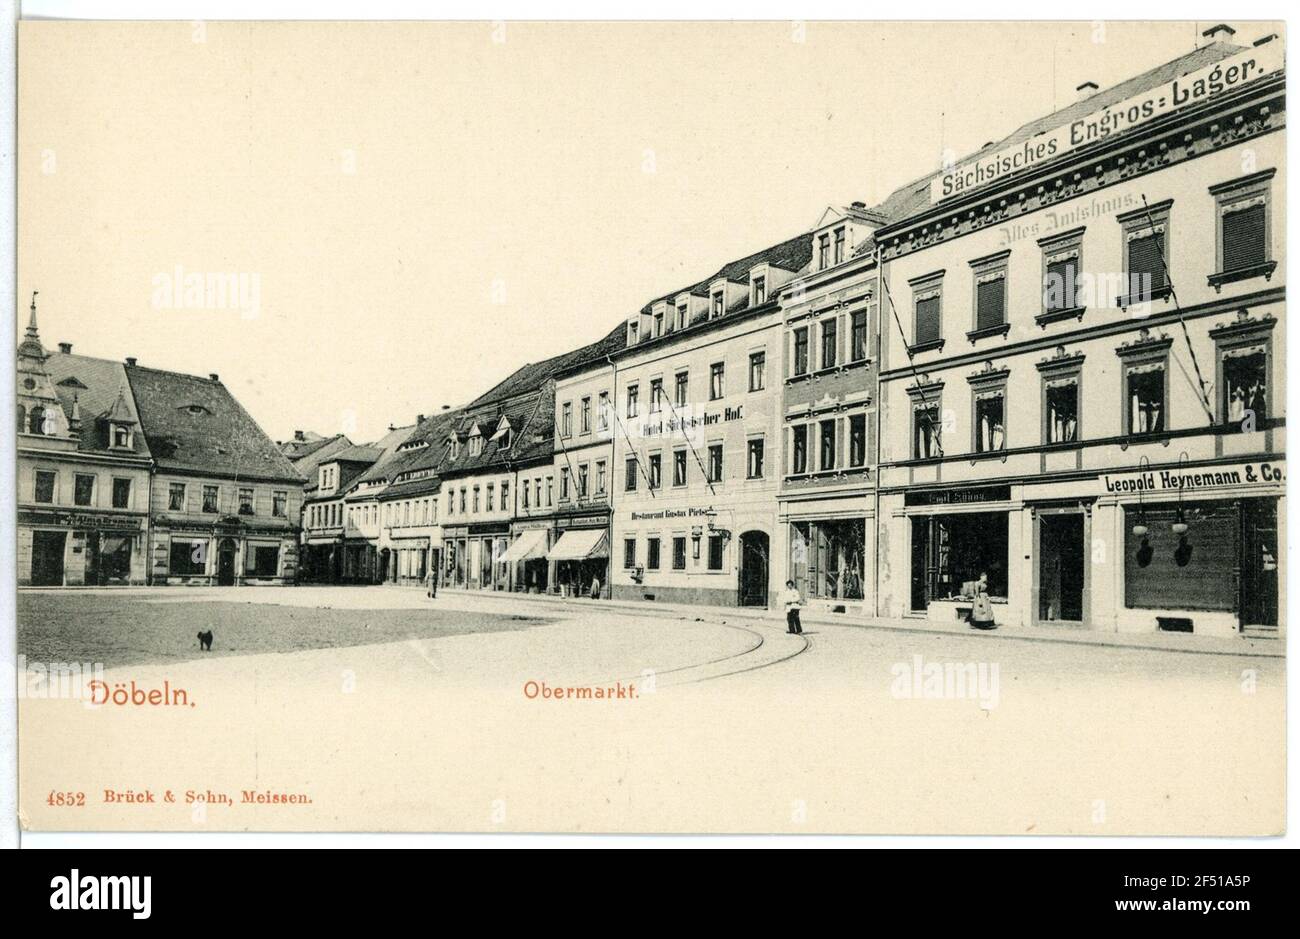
{"points": [[82, 470], [1085, 404], [225, 501], [408, 506], [830, 427], [697, 430], [369, 546], [333, 548]]}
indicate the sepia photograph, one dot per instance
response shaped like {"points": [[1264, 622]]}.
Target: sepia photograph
{"points": [[650, 427]]}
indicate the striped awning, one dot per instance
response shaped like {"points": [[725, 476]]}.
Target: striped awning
{"points": [[580, 544]]}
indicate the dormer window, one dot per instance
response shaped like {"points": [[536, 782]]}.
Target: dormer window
{"points": [[719, 306], [505, 440], [823, 252], [632, 332], [453, 445], [121, 436], [759, 287], [681, 316], [839, 245], [658, 323], [475, 445]]}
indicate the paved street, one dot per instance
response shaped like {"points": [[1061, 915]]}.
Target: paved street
{"points": [[390, 711]]}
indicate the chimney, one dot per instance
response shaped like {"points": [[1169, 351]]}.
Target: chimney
{"points": [[858, 205], [1086, 90], [65, 348], [130, 360], [392, 427], [419, 418], [214, 376], [298, 435], [1220, 33]]}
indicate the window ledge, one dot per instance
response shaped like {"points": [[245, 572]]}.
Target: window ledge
{"points": [[1055, 316], [1157, 293], [1264, 270], [1162, 437], [935, 344], [985, 331]]}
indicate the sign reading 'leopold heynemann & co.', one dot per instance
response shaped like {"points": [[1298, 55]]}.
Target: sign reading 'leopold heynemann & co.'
{"points": [[1193, 88], [1201, 477]]}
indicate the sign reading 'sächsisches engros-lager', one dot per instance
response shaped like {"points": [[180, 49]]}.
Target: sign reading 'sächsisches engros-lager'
{"points": [[1192, 88]]}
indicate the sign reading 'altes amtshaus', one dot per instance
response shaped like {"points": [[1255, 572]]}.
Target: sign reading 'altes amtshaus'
{"points": [[1193, 88]]}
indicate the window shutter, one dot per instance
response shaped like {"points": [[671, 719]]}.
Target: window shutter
{"points": [[991, 297], [1059, 285], [1145, 256], [927, 320], [1243, 238]]}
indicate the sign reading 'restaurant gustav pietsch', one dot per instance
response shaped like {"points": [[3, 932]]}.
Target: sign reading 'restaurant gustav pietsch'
{"points": [[1193, 88]]}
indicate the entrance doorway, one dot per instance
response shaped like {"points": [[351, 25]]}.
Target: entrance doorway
{"points": [[47, 558], [226, 563], [1259, 564], [1061, 571], [753, 568]]}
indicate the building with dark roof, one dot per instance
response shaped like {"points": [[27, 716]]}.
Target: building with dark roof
{"points": [[83, 470], [224, 501]]}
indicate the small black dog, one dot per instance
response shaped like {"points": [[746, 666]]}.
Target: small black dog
{"points": [[205, 641]]}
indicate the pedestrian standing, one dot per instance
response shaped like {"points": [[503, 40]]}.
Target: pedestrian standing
{"points": [[981, 614], [433, 583], [793, 601], [595, 588]]}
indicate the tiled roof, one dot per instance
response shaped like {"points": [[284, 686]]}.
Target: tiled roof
{"points": [[388, 445], [96, 385], [535, 374], [297, 449], [356, 454], [793, 254], [196, 424], [914, 197]]}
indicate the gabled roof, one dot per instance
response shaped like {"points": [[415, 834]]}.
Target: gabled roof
{"points": [[533, 376], [195, 424], [298, 449], [99, 388], [792, 255]]}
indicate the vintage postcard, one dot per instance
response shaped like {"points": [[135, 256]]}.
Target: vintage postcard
{"points": [[651, 427]]}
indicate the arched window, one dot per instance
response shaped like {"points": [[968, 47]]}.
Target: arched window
{"points": [[121, 436], [37, 424]]}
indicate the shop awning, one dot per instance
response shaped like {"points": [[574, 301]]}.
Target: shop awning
{"points": [[580, 544], [529, 544]]}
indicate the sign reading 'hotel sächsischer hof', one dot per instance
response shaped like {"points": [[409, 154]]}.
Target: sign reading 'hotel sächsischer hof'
{"points": [[1180, 92], [1201, 478]]}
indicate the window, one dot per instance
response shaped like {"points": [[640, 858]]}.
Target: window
{"points": [[121, 436], [1062, 262], [188, 558], [245, 502], [566, 419], [830, 329], [715, 462], [280, 504], [757, 368], [839, 245], [679, 468], [858, 336], [211, 497], [760, 290], [990, 427], [681, 317], [176, 497], [659, 323], [754, 458], [827, 434], [505, 494], [463, 494], [632, 331], [121, 493], [602, 415], [586, 415], [633, 393], [263, 560], [799, 451], [629, 478], [823, 252], [990, 299], [652, 554], [1146, 253], [83, 489], [801, 351], [600, 477], [719, 306], [656, 470], [44, 486], [858, 440], [715, 552], [682, 386], [475, 445], [489, 504], [1244, 210], [679, 552], [925, 429], [716, 380], [583, 473], [629, 552], [1145, 394], [477, 492], [656, 395], [564, 484], [1245, 384], [524, 495], [928, 326]]}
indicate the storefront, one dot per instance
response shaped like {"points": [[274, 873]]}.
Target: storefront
{"points": [[225, 553], [473, 556], [828, 549], [65, 548], [411, 560], [579, 555], [527, 556]]}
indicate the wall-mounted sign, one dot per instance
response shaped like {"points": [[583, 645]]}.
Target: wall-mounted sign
{"points": [[673, 513], [1204, 83], [681, 422], [81, 520], [1197, 478], [962, 496]]}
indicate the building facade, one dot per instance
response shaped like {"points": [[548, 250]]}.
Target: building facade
{"points": [[1085, 406], [697, 431]]}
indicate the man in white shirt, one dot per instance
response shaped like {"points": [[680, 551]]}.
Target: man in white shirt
{"points": [[793, 600]]}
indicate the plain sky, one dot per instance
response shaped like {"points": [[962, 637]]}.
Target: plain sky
{"points": [[423, 208]]}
